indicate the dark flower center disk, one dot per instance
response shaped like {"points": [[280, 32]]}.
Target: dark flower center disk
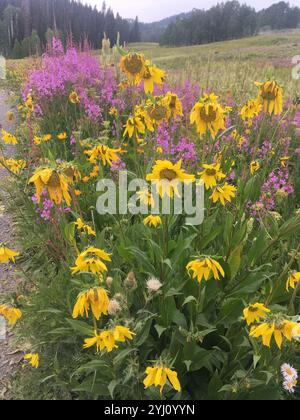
{"points": [[158, 113], [69, 172], [168, 174], [147, 74], [210, 116], [54, 180], [211, 172], [172, 104], [133, 64], [269, 95], [252, 309]]}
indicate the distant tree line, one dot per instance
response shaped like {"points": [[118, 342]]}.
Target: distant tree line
{"points": [[226, 21], [27, 25]]}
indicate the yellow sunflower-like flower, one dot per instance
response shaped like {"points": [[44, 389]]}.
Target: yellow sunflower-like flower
{"points": [[12, 315], [174, 104], [142, 113], [33, 359], [96, 299], [271, 96], [223, 193], [104, 153], [208, 115], [70, 171], [47, 137], [8, 138], [107, 339], [280, 329], [211, 175], [121, 333], [55, 182], [84, 227], [153, 221], [74, 98], [91, 260], [204, 267], [146, 197], [29, 103], [95, 172], [113, 112], [159, 375], [167, 177], [15, 166], [284, 161], [292, 281], [133, 65], [152, 75], [7, 255], [254, 313], [62, 136], [254, 166], [158, 110], [134, 126], [252, 109]]}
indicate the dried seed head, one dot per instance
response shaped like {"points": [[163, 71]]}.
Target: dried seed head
{"points": [[109, 281], [153, 285], [114, 307], [130, 281]]}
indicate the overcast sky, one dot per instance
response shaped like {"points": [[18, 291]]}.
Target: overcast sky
{"points": [[153, 10]]}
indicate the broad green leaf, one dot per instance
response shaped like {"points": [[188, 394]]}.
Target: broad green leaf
{"points": [[81, 327], [234, 261]]}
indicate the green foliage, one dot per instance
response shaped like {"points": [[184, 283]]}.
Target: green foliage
{"points": [[196, 328]]}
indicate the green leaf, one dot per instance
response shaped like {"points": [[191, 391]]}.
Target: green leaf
{"points": [[81, 327], [179, 319], [92, 366], [291, 226], [144, 334], [252, 283], [189, 299], [215, 232], [214, 386], [188, 364], [258, 246], [226, 388], [112, 386], [122, 355], [172, 292], [228, 225], [234, 261], [69, 232], [252, 189], [121, 51], [256, 359], [90, 386], [160, 330], [230, 311], [239, 235]]}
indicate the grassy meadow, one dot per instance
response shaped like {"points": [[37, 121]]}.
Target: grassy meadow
{"points": [[145, 304], [230, 65]]}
